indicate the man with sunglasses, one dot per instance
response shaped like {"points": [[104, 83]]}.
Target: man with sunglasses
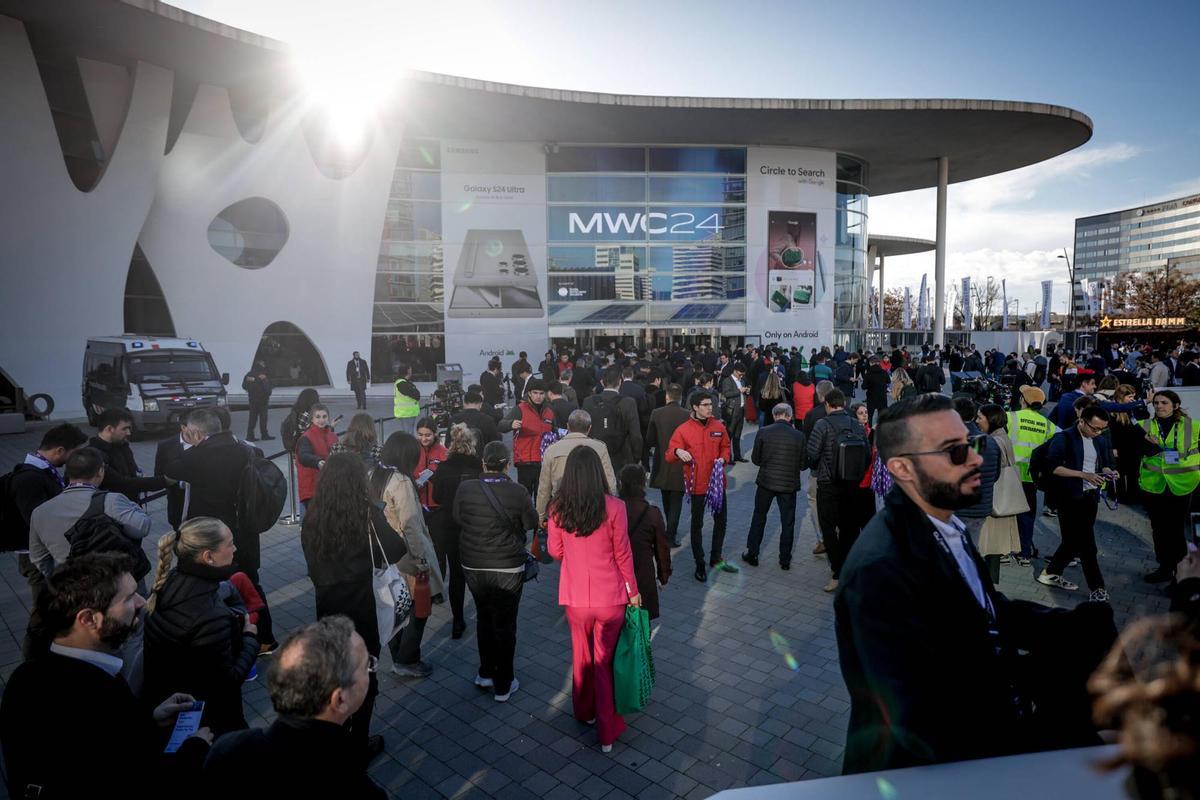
{"points": [[929, 650], [1080, 459]]}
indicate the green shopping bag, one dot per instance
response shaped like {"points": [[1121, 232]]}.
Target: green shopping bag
{"points": [[633, 663]]}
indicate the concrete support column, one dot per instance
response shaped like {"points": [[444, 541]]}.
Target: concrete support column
{"points": [[939, 261]]}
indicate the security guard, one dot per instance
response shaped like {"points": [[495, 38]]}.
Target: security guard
{"points": [[1028, 428], [406, 404], [1168, 478]]}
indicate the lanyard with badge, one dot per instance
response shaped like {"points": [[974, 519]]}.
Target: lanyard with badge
{"points": [[987, 601], [1171, 454]]}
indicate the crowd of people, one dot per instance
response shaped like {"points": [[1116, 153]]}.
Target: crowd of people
{"points": [[918, 500]]}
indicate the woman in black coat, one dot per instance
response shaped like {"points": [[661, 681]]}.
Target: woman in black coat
{"points": [[341, 552], [463, 464], [647, 537], [194, 641]]}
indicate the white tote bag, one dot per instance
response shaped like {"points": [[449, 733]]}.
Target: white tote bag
{"points": [[1008, 496], [393, 601]]}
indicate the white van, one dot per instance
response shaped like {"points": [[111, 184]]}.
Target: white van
{"points": [[157, 378]]}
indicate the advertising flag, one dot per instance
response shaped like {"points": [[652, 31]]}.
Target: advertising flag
{"points": [[1046, 304], [906, 322], [966, 303], [923, 306], [1004, 302]]}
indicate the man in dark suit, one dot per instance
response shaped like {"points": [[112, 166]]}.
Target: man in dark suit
{"points": [[624, 441], [561, 404], [212, 468], [358, 375], [258, 396], [733, 397], [929, 650], [664, 476], [631, 388], [780, 455], [168, 451]]}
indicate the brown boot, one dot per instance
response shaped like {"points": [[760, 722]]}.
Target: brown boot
{"points": [[819, 549]]}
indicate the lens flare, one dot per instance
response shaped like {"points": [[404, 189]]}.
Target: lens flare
{"points": [[886, 790], [784, 649]]}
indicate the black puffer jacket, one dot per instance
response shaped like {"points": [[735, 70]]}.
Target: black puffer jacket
{"points": [[489, 541], [195, 643], [779, 454]]}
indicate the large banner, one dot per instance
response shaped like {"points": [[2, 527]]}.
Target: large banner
{"points": [[1004, 302], [790, 217], [906, 320], [1046, 304], [923, 306], [494, 227]]}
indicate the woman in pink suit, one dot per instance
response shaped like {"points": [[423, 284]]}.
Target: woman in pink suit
{"points": [[588, 533]]}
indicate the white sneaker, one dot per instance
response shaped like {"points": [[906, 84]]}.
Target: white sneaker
{"points": [[1057, 581], [484, 683], [503, 698], [606, 748], [1099, 596], [1074, 562]]}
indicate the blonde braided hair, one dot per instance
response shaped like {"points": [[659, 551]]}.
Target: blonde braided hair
{"points": [[189, 541]]}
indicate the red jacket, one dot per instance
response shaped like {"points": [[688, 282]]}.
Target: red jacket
{"points": [[527, 440], [802, 399], [706, 442], [321, 440], [431, 458], [866, 481], [597, 569]]}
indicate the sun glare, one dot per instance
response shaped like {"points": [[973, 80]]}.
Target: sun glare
{"points": [[348, 80]]}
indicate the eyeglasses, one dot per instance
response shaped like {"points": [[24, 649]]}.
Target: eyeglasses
{"points": [[1093, 427], [957, 452], [372, 664], [705, 403]]}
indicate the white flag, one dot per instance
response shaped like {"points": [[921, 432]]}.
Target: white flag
{"points": [[1004, 302], [1046, 304], [922, 306], [966, 303], [907, 320]]}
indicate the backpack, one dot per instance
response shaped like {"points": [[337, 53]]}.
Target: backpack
{"points": [[607, 425], [851, 455], [97, 532], [262, 491], [1039, 471], [11, 521]]}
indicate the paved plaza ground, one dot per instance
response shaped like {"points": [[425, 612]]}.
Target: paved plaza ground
{"points": [[727, 710]]}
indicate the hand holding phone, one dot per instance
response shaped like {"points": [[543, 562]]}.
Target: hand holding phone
{"points": [[424, 477]]}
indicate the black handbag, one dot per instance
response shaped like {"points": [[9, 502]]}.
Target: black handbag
{"points": [[532, 567]]}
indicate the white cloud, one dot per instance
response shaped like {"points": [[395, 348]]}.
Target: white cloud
{"points": [[994, 228]]}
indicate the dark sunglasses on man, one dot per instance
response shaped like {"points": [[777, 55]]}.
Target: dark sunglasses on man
{"points": [[957, 452]]}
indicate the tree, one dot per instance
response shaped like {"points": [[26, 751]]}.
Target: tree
{"points": [[1161, 293], [893, 309], [984, 300]]}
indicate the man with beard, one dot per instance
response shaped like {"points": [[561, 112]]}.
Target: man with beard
{"points": [[929, 650], [69, 726]]}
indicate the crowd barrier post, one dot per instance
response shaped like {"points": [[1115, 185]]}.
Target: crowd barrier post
{"points": [[292, 518]]}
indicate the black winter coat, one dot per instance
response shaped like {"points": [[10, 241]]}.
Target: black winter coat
{"points": [[902, 605], [481, 421], [489, 540], [214, 470], [875, 383], [195, 643], [121, 472], [292, 758], [457, 467], [822, 444], [780, 455], [343, 583]]}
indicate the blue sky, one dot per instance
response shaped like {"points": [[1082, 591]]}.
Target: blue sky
{"points": [[1131, 66]]}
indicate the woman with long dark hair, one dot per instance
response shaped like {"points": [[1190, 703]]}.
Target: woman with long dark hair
{"points": [[647, 536], [589, 533], [462, 464], [360, 440], [298, 418], [393, 486], [344, 536]]}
